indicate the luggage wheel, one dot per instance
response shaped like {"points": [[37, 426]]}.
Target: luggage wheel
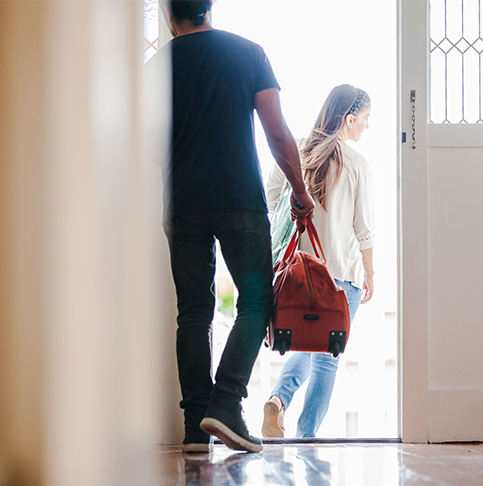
{"points": [[337, 341], [282, 340]]}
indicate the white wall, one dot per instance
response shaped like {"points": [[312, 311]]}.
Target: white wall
{"points": [[157, 71]]}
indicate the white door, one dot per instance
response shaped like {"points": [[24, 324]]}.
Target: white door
{"points": [[441, 229]]}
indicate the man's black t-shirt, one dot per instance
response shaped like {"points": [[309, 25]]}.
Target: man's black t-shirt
{"points": [[214, 163]]}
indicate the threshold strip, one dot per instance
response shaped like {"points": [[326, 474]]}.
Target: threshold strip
{"points": [[321, 440], [342, 440]]}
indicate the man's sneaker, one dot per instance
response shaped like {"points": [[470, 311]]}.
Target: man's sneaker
{"points": [[230, 428], [272, 420], [197, 441]]}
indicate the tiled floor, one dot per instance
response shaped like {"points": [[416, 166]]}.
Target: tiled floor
{"points": [[327, 465]]}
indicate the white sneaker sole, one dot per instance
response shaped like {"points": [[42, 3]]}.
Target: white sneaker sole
{"points": [[228, 437], [197, 448]]}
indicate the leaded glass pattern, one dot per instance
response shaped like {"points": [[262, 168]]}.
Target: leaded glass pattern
{"points": [[151, 28], [456, 65]]}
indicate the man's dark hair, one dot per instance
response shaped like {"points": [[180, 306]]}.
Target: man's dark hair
{"points": [[194, 10]]}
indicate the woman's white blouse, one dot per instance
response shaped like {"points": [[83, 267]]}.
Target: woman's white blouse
{"points": [[347, 227]]}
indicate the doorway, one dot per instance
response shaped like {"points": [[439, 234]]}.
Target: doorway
{"points": [[314, 47]]}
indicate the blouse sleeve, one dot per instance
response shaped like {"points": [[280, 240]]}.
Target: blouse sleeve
{"points": [[275, 185], [364, 208]]}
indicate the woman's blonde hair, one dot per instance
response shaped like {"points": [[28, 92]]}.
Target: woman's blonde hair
{"points": [[321, 156]]}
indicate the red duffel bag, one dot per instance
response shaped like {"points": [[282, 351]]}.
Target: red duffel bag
{"points": [[310, 310]]}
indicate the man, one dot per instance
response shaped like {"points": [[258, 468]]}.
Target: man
{"points": [[215, 191]]}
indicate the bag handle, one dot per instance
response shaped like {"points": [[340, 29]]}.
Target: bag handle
{"points": [[302, 224], [314, 239], [292, 246]]}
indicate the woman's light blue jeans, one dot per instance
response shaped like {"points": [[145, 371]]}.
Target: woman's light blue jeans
{"points": [[321, 368]]}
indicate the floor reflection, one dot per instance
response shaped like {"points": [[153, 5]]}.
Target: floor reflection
{"points": [[327, 465], [317, 471], [216, 469]]}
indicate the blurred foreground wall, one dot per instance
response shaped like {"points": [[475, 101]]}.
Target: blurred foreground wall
{"points": [[82, 258]]}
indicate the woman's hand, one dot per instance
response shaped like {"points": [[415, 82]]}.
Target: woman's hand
{"points": [[368, 290]]}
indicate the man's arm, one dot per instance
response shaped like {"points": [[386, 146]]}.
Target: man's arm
{"points": [[283, 147]]}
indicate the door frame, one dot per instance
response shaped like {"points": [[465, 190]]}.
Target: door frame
{"points": [[413, 312]]}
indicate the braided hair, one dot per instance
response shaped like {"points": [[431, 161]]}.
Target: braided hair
{"points": [[360, 103], [322, 160], [194, 10]]}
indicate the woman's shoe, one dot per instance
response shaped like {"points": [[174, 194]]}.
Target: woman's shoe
{"points": [[273, 420]]}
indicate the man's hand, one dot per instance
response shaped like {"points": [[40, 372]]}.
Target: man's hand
{"points": [[302, 205]]}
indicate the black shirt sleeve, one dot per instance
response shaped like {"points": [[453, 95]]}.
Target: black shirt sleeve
{"points": [[266, 77]]}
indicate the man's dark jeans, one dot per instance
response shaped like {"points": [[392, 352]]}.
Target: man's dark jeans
{"points": [[244, 237]]}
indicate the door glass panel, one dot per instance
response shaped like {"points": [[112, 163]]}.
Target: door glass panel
{"points": [[471, 87], [151, 28], [438, 72], [454, 83], [456, 47]]}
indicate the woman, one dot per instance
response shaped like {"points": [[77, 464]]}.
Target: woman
{"points": [[339, 179]]}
